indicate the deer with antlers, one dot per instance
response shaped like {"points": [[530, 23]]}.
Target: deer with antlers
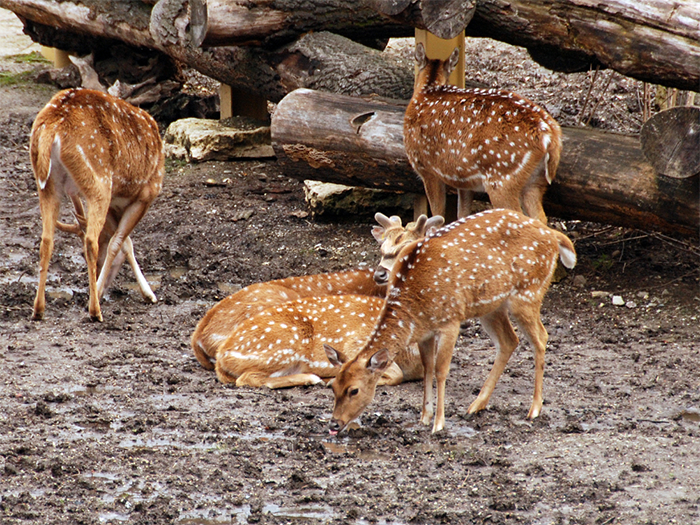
{"points": [[283, 345], [91, 146], [478, 140], [223, 318], [485, 266]]}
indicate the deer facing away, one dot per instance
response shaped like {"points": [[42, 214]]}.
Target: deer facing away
{"points": [[283, 345], [478, 140], [218, 323], [487, 266], [88, 145]]}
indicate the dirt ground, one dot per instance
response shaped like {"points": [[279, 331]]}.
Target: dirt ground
{"points": [[117, 423]]}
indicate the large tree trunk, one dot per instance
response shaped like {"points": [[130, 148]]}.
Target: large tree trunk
{"points": [[318, 60], [602, 177], [651, 40], [271, 24], [443, 18]]}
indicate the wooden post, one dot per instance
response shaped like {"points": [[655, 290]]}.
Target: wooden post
{"points": [[236, 102], [439, 48], [57, 56]]}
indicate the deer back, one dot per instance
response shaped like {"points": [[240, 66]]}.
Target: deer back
{"points": [[102, 142], [472, 266], [218, 323], [289, 337]]}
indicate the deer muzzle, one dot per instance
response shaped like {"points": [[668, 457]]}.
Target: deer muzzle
{"points": [[381, 275], [335, 426]]}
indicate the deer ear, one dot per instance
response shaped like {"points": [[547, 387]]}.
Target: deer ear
{"points": [[421, 60], [435, 222], [380, 361], [452, 62], [336, 358], [378, 233]]}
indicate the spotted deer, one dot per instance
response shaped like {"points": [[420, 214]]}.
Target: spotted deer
{"points": [[224, 317], [485, 266], [90, 80], [478, 140], [227, 314], [91, 146], [283, 345]]}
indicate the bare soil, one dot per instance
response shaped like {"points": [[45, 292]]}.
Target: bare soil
{"points": [[116, 422]]}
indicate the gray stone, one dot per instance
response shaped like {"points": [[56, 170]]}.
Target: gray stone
{"points": [[337, 199], [197, 140]]}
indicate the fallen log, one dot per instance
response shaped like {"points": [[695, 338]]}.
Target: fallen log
{"points": [[602, 177], [671, 141], [271, 24], [651, 40], [443, 18], [318, 60]]}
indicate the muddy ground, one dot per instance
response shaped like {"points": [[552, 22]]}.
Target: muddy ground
{"points": [[117, 422]]}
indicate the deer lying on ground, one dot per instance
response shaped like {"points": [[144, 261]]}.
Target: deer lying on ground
{"points": [[88, 145], [485, 265], [478, 140], [283, 346], [218, 323]]}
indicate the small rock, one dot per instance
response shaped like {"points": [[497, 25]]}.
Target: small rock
{"points": [[599, 294], [691, 414], [631, 304], [579, 281], [617, 300]]}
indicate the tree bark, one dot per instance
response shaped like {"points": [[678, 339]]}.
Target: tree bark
{"points": [[651, 40], [443, 18], [271, 24], [318, 60], [671, 141], [602, 177]]}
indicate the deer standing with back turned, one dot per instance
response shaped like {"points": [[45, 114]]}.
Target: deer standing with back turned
{"points": [[488, 266], [478, 140], [88, 145]]}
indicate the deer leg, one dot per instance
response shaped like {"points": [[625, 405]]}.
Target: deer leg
{"points": [[427, 356], [146, 292], [223, 375], [527, 316], [445, 344], [204, 359], [509, 200], [392, 376], [533, 193], [130, 218], [258, 379], [464, 202], [50, 207], [436, 192], [498, 327], [97, 212]]}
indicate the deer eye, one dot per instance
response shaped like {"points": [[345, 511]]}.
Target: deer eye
{"points": [[353, 392]]}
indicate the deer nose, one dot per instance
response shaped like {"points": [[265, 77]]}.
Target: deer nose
{"points": [[335, 427], [381, 275]]}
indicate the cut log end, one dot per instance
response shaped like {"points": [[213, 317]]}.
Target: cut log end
{"points": [[671, 142]]}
